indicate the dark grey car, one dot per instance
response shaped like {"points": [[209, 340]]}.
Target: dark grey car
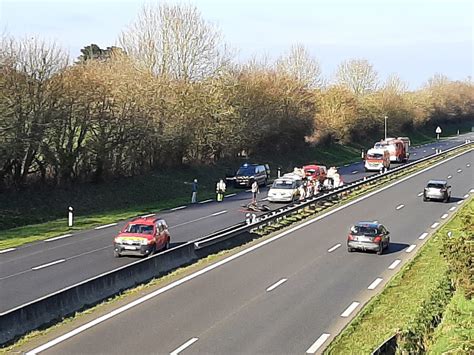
{"points": [[371, 236], [437, 190]]}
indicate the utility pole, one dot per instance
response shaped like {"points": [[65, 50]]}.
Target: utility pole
{"points": [[385, 127]]}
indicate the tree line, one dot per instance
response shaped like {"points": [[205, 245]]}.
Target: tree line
{"points": [[170, 93]]}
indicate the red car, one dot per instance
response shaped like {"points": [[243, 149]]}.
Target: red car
{"points": [[316, 172], [142, 236]]}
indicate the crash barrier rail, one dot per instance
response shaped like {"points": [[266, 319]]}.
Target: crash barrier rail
{"points": [[388, 347], [54, 307]]}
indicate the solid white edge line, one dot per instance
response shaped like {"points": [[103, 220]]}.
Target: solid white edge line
{"points": [[7, 250], [276, 284], [57, 238], [452, 208], [434, 225], [423, 236], [230, 195], [334, 248], [410, 248], [218, 213], [106, 226], [374, 284], [317, 344], [444, 216], [206, 201], [350, 309], [394, 264], [399, 207], [184, 346], [48, 264], [222, 262], [148, 215], [178, 208]]}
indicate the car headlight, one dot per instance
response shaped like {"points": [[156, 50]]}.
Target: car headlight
{"points": [[118, 240]]}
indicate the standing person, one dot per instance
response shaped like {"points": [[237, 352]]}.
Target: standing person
{"points": [[255, 191], [220, 189], [195, 190]]}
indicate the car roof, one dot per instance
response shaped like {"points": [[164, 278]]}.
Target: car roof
{"points": [[145, 220], [437, 182], [372, 224]]}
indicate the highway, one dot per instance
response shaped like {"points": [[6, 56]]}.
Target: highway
{"points": [[38, 269], [289, 294]]}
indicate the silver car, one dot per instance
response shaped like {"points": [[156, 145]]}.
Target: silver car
{"points": [[368, 236], [437, 190]]}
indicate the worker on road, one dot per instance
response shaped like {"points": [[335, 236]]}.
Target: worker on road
{"points": [[255, 191], [220, 189]]}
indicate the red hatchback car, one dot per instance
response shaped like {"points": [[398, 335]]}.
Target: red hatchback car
{"points": [[142, 236]]}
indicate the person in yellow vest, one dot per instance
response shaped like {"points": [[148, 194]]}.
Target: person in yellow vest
{"points": [[220, 189]]}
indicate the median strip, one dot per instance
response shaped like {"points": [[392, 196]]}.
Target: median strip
{"points": [[350, 309], [317, 344], [48, 264], [106, 226]]}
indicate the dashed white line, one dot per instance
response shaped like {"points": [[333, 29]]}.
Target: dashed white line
{"points": [[410, 248], [57, 238], [434, 225], [471, 191], [444, 216], [452, 208], [423, 236], [206, 201], [374, 284], [355, 172], [230, 195], [148, 215], [48, 264], [468, 165], [347, 164], [420, 194], [424, 151], [218, 213], [466, 196], [460, 202], [106, 226], [7, 250], [450, 176], [399, 207], [334, 248], [264, 199], [394, 264], [459, 170], [184, 346], [350, 309], [276, 284], [178, 208], [317, 344]]}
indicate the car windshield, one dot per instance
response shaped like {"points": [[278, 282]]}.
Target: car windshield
{"points": [[139, 228], [375, 156], [364, 230], [283, 184], [435, 185], [246, 170]]}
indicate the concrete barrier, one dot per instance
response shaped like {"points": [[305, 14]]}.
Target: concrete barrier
{"points": [[54, 307]]}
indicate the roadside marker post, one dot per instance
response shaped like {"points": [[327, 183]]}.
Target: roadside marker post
{"points": [[70, 217]]}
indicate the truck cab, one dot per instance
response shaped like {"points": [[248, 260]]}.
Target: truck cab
{"points": [[377, 159]]}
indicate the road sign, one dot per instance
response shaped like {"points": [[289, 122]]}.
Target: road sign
{"points": [[438, 130]]}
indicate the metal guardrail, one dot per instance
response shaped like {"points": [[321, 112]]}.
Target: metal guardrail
{"points": [[270, 217]]}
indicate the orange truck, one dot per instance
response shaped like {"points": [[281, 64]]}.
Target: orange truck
{"points": [[397, 147]]}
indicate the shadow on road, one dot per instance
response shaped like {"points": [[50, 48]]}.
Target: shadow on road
{"points": [[395, 248]]}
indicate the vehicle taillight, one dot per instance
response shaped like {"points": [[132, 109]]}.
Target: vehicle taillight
{"points": [[377, 239]]}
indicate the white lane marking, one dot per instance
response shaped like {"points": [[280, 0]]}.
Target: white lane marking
{"points": [[394, 264], [471, 191], [452, 208], [423, 236], [466, 196], [444, 216], [434, 225], [206, 201], [410, 248], [219, 263], [468, 165], [184, 346], [48, 264], [400, 207], [460, 202], [459, 170], [148, 215], [106, 226], [178, 208], [334, 248], [317, 344], [276, 284], [249, 190], [230, 195], [450, 176], [350, 309], [433, 148], [355, 172], [347, 164], [414, 153], [424, 151], [57, 238], [420, 194], [264, 199], [374, 284], [7, 250], [218, 213]]}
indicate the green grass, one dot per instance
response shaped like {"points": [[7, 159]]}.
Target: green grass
{"points": [[400, 301]]}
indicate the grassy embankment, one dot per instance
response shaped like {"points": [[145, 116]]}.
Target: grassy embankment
{"points": [[414, 301], [38, 214]]}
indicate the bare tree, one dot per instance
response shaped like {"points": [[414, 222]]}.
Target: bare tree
{"points": [[358, 75], [298, 64], [394, 84], [175, 41]]}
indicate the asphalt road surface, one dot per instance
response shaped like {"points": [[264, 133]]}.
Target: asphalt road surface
{"points": [[38, 269], [290, 294]]}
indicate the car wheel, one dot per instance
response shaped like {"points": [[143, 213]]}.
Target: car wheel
{"points": [[446, 199], [388, 244], [117, 254], [167, 245], [380, 251]]}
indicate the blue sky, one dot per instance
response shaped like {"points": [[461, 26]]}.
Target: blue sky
{"points": [[415, 39]]}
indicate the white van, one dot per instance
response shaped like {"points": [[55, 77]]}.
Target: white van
{"points": [[284, 189]]}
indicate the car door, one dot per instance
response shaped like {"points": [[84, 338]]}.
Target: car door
{"points": [[159, 235]]}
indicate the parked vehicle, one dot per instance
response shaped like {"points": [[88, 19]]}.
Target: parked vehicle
{"points": [[142, 236], [396, 148], [371, 236], [284, 189], [377, 159], [248, 173], [407, 143], [315, 172], [437, 190]]}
